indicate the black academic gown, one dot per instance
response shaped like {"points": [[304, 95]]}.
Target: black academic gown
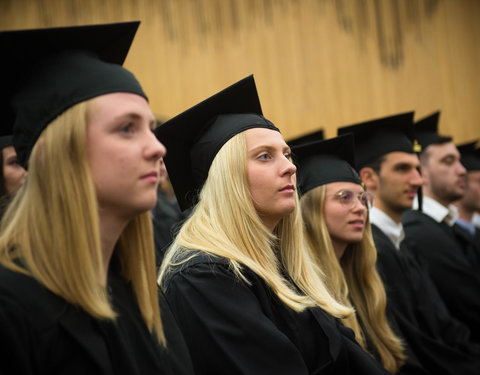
{"points": [[437, 340], [41, 333], [442, 251], [166, 217], [477, 241], [234, 327], [469, 243]]}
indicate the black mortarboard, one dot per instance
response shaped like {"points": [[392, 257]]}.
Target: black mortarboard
{"points": [[49, 70], [379, 137], [321, 162], [5, 141], [194, 137], [426, 131], [470, 156], [306, 138]]}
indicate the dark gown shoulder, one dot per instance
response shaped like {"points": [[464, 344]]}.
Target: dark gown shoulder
{"points": [[38, 331], [443, 252], [238, 325], [176, 352], [44, 334], [439, 342]]}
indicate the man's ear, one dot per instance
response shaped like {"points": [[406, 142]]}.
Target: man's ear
{"points": [[369, 178], [424, 173]]}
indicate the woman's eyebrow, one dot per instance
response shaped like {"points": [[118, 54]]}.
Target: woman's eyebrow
{"points": [[135, 116], [269, 147]]}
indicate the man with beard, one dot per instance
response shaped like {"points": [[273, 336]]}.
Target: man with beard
{"points": [[389, 168], [440, 245]]}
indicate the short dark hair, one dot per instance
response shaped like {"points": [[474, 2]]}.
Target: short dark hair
{"points": [[376, 164], [425, 154]]}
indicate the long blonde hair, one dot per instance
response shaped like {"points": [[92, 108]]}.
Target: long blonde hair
{"points": [[353, 280], [225, 223], [52, 227]]}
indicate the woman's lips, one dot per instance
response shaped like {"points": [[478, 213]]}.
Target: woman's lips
{"points": [[288, 188], [150, 177], [357, 223]]}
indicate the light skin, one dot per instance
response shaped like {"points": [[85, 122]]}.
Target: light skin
{"points": [[470, 202], [271, 175], [162, 173], [443, 172], [345, 223], [124, 157], [396, 185], [13, 174]]}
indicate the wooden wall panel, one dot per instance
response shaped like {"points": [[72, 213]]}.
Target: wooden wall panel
{"points": [[317, 63]]}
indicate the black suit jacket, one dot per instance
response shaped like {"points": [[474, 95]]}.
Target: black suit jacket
{"points": [[439, 342], [449, 257], [237, 327]]}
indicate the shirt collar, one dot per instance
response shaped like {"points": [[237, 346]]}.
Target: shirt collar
{"points": [[385, 223], [466, 225], [437, 211], [476, 220]]}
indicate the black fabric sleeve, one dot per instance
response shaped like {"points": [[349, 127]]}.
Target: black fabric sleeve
{"points": [[225, 328], [14, 338]]}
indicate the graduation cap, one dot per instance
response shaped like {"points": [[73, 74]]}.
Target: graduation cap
{"points": [[5, 141], [379, 137], [325, 161], [426, 131], [47, 71], [194, 137], [309, 137], [470, 156]]}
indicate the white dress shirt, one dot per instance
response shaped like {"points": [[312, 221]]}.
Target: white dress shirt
{"points": [[467, 226], [385, 223], [476, 220], [437, 211]]}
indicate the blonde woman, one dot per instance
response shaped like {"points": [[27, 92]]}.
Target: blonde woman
{"points": [[238, 277], [77, 272], [335, 211]]}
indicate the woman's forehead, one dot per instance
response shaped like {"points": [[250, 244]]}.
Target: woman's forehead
{"points": [[256, 137], [343, 185]]}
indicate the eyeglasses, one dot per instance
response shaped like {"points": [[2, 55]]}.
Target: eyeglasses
{"points": [[347, 198]]}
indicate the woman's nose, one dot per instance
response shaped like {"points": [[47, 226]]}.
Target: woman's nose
{"points": [[155, 148]]}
